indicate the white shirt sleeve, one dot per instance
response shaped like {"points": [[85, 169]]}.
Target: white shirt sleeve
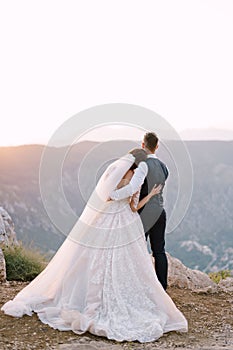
{"points": [[134, 185]]}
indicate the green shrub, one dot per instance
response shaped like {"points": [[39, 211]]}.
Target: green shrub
{"points": [[22, 263], [220, 275]]}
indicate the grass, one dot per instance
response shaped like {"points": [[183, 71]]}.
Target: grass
{"points": [[219, 275], [22, 263]]}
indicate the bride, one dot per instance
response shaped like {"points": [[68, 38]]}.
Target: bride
{"points": [[102, 279]]}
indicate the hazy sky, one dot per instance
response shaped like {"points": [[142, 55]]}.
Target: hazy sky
{"points": [[60, 57]]}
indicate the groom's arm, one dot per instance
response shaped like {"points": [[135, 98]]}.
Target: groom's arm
{"points": [[134, 185]]}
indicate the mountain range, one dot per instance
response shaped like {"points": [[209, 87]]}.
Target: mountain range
{"points": [[203, 240], [209, 134]]}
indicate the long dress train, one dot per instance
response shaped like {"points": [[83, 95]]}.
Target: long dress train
{"points": [[109, 288]]}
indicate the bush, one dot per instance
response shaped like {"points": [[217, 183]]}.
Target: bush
{"points": [[220, 275], [22, 263]]}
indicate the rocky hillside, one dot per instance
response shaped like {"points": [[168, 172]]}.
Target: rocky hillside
{"points": [[203, 240]]}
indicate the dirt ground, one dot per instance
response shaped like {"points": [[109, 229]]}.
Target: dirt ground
{"points": [[210, 318]]}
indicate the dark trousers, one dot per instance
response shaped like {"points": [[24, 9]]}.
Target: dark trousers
{"points": [[157, 241]]}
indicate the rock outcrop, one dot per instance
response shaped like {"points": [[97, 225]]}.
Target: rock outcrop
{"points": [[7, 236], [2, 267], [226, 284], [183, 277], [7, 229]]}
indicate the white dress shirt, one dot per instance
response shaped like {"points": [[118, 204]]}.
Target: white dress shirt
{"points": [[134, 185]]}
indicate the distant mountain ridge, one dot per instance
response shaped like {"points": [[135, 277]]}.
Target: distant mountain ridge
{"points": [[207, 134], [203, 240]]}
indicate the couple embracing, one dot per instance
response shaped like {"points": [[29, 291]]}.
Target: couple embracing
{"points": [[102, 278]]}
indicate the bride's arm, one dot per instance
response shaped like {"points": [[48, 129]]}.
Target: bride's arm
{"points": [[134, 185], [136, 207]]}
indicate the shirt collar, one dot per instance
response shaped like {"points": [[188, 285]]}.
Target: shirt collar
{"points": [[151, 156]]}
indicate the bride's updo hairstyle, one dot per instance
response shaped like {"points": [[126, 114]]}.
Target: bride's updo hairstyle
{"points": [[140, 156]]}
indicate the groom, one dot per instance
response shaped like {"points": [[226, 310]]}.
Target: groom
{"points": [[150, 172], [153, 215]]}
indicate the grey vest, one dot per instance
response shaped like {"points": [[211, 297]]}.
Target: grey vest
{"points": [[157, 174]]}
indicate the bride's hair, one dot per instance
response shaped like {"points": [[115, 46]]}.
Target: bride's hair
{"points": [[140, 155], [133, 167]]}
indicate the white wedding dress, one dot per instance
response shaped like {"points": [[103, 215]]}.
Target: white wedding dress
{"points": [[103, 282]]}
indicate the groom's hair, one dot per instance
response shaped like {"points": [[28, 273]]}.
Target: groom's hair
{"points": [[150, 141], [139, 154]]}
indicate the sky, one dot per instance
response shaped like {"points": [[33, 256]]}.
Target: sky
{"points": [[61, 57]]}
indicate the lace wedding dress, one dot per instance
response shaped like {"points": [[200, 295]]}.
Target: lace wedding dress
{"points": [[102, 281]]}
